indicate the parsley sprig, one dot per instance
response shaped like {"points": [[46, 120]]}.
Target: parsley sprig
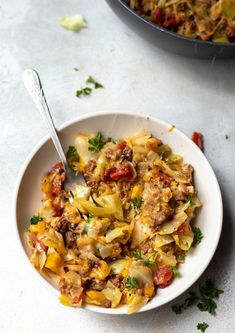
{"points": [[175, 271], [131, 283], [71, 153], [198, 235], [205, 299], [92, 81], [96, 143], [147, 261], [35, 219], [202, 326]]}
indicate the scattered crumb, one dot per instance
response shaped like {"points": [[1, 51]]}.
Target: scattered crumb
{"points": [[171, 129], [73, 22]]}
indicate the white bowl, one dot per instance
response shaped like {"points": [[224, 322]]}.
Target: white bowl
{"points": [[116, 125]]}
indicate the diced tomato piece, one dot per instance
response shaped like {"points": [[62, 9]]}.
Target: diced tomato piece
{"points": [[122, 145], [124, 171], [57, 209], [159, 16], [107, 173], [185, 228], [169, 22], [198, 139], [58, 167], [163, 277], [57, 184]]}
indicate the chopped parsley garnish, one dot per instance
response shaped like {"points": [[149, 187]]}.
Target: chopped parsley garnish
{"points": [[92, 81], [89, 218], [175, 271], [131, 283], [189, 200], [202, 326], [198, 235], [137, 203], [83, 92], [72, 152], [96, 143], [35, 219], [147, 261], [181, 257], [151, 259], [205, 299], [226, 136], [136, 254]]}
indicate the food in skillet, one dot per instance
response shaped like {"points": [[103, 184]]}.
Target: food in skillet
{"points": [[208, 20], [121, 237]]}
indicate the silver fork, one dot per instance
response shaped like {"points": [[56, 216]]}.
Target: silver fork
{"points": [[34, 87]]}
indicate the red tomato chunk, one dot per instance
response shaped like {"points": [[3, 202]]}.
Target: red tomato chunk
{"points": [[163, 277], [198, 139], [124, 171]]}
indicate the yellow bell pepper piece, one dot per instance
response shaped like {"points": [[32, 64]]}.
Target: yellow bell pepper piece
{"points": [[64, 299], [95, 297], [54, 262], [38, 228], [136, 192], [148, 290], [101, 272]]}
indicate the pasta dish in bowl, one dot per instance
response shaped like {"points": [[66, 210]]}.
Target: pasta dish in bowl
{"points": [[115, 244]]}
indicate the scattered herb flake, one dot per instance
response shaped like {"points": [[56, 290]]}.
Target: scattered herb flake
{"points": [[181, 257], [72, 152], [76, 69], [226, 136], [92, 81], [189, 200], [198, 235], [136, 254], [83, 92], [96, 143], [137, 203], [35, 219], [131, 283], [205, 302], [175, 271], [151, 259], [202, 326]]}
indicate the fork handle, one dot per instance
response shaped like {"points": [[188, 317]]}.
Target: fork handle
{"points": [[34, 87]]}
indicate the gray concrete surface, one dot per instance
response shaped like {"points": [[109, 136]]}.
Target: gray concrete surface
{"points": [[192, 94]]}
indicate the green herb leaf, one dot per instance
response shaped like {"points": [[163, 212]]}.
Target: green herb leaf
{"points": [[96, 143], [35, 219], [198, 235], [137, 203], [131, 283], [207, 304], [92, 81], [151, 259], [209, 289], [177, 308], [202, 326], [181, 257], [175, 271], [226, 136], [83, 92], [136, 254], [72, 152], [189, 200]]}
